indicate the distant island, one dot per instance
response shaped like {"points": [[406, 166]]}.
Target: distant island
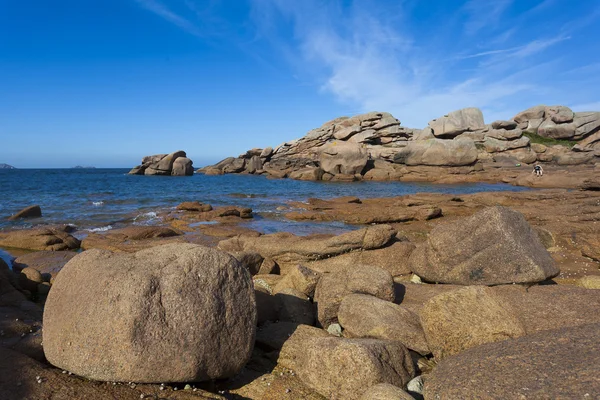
{"points": [[6, 166], [80, 167]]}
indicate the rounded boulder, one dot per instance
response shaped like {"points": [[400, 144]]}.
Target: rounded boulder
{"points": [[172, 313]]}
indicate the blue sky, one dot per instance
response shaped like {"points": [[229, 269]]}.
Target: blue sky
{"points": [[105, 82]]}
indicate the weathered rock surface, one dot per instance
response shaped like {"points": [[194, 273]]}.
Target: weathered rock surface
{"points": [[333, 287], [385, 391], [494, 246], [364, 316], [289, 250], [343, 368], [176, 164], [27, 212], [437, 152], [131, 238], [557, 364], [469, 317], [343, 158], [54, 239], [146, 317], [457, 122], [366, 147]]}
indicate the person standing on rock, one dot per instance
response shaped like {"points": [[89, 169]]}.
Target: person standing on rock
{"points": [[537, 170]]}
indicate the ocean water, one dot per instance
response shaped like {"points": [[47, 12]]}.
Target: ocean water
{"points": [[96, 200]]}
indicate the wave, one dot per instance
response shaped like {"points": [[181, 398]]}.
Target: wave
{"points": [[101, 229], [98, 203], [146, 218]]}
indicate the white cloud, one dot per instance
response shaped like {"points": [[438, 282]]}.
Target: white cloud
{"points": [[374, 64]]}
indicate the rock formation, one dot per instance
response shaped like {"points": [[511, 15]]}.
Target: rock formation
{"points": [[175, 164], [375, 146]]}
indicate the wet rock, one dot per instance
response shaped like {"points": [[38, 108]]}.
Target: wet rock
{"points": [[156, 336], [28, 212], [194, 206], [548, 365], [494, 246], [53, 239]]}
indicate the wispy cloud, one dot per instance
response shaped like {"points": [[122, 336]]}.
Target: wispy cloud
{"points": [[164, 12], [482, 14], [379, 66]]}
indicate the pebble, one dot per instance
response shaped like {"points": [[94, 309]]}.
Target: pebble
{"points": [[187, 387], [288, 390]]}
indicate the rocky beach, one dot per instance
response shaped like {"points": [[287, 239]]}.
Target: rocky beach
{"points": [[463, 294]]}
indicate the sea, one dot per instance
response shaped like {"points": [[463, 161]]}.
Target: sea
{"points": [[99, 200]]}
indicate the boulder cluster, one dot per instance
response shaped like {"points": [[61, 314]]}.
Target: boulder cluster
{"points": [[175, 164], [375, 146], [366, 314]]}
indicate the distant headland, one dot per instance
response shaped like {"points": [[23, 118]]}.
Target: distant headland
{"points": [[80, 167], [6, 166]]}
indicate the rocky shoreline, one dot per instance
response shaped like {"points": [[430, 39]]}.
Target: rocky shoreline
{"points": [[458, 147], [408, 304]]}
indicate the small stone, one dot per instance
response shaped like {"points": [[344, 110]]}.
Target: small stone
{"points": [[335, 330], [288, 390], [187, 387], [64, 372], [415, 385]]}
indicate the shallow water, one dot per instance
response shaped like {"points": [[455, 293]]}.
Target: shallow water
{"points": [[103, 199]]}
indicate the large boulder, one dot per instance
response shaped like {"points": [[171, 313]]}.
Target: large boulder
{"points": [[333, 287], [465, 318], [364, 316], [385, 391], [494, 246], [343, 158], [438, 152], [27, 212], [182, 166], [345, 368], [536, 112], [457, 122], [146, 317], [557, 364]]}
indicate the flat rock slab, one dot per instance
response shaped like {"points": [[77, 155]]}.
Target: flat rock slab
{"points": [[558, 364]]}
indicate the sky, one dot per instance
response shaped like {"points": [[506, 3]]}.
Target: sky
{"points": [[106, 82]]}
